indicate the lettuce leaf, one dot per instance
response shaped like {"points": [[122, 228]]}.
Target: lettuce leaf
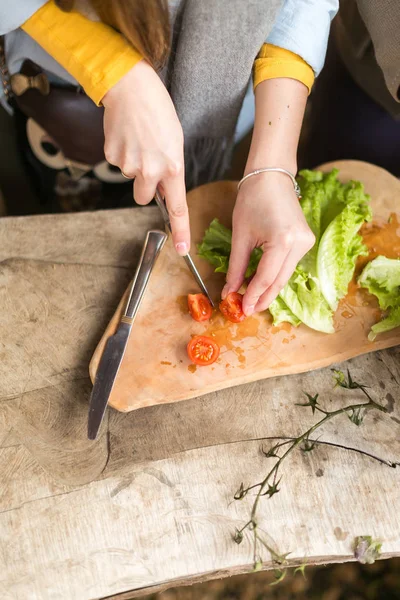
{"points": [[381, 277], [302, 295], [281, 313], [317, 189], [324, 198], [391, 321], [216, 249], [338, 250], [217, 238]]}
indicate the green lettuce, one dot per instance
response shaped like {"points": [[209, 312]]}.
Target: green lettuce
{"points": [[302, 295], [381, 277], [338, 250], [216, 249], [391, 321], [335, 213], [281, 313], [323, 197]]}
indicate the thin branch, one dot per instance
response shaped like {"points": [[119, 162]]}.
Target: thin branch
{"points": [[383, 461], [262, 485], [355, 412]]}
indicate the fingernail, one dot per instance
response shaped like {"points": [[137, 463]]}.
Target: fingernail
{"points": [[225, 291], [181, 248], [249, 310]]}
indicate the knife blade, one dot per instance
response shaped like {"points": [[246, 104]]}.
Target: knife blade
{"points": [[188, 259], [114, 349]]}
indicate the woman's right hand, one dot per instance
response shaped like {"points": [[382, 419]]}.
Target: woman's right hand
{"points": [[144, 138]]}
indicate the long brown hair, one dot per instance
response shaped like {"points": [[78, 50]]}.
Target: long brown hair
{"points": [[144, 23]]}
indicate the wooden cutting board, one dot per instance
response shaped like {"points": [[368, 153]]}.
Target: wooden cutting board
{"points": [[156, 369]]}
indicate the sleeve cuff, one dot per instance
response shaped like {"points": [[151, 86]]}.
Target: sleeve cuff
{"points": [[273, 62], [93, 53]]}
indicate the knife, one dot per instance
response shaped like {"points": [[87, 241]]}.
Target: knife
{"points": [[114, 349], [187, 258]]}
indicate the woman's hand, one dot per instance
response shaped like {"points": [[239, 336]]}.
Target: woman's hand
{"points": [[144, 138], [267, 212], [267, 215]]}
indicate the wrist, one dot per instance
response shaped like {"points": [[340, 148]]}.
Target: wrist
{"points": [[268, 150], [272, 173], [263, 160], [128, 81]]}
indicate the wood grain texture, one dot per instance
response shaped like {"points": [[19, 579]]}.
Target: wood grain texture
{"points": [[170, 520], [103, 237], [156, 369], [149, 504]]}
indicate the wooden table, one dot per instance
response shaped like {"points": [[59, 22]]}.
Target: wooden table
{"points": [[150, 504]]}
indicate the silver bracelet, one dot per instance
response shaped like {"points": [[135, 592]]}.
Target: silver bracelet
{"points": [[269, 170]]}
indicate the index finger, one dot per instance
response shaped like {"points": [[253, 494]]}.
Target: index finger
{"points": [[175, 198]]}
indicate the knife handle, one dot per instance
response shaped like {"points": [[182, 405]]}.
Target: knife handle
{"points": [[151, 249]]}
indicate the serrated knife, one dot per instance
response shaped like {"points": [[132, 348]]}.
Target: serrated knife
{"points": [[114, 349]]}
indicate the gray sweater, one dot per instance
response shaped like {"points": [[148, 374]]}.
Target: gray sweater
{"points": [[208, 74]]}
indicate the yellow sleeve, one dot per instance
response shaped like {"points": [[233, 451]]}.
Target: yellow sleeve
{"points": [[273, 62], [93, 53]]}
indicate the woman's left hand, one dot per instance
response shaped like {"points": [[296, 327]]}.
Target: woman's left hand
{"points": [[267, 215]]}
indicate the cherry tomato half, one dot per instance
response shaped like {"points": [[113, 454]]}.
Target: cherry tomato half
{"points": [[231, 307], [199, 307], [202, 350]]}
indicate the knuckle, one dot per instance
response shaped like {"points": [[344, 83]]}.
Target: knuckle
{"points": [[232, 277], [302, 236], [254, 292], [287, 238], [174, 168], [277, 286], [179, 210], [265, 283], [149, 170], [253, 299]]}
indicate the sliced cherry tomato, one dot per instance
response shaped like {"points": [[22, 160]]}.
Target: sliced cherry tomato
{"points": [[202, 350], [231, 307], [199, 307]]}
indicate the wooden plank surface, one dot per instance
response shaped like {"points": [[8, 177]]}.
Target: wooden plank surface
{"points": [[161, 372], [149, 504]]}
